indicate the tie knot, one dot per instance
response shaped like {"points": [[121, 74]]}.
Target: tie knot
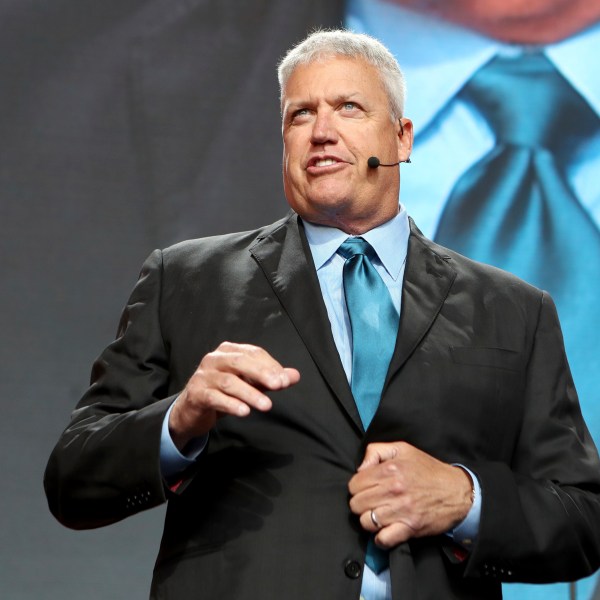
{"points": [[527, 102], [355, 246]]}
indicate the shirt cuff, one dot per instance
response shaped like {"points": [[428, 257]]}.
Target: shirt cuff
{"points": [[465, 533], [172, 461]]}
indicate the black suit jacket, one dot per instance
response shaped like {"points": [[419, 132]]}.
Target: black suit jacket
{"points": [[479, 376]]}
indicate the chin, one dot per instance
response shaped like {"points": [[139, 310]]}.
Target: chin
{"points": [[321, 211], [329, 205], [329, 194]]}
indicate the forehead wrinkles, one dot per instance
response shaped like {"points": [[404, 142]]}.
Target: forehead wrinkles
{"points": [[334, 79]]}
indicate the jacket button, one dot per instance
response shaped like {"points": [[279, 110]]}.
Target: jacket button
{"points": [[352, 569]]}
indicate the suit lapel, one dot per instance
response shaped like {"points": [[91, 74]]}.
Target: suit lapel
{"points": [[285, 259], [427, 280]]}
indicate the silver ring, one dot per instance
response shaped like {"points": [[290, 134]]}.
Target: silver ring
{"points": [[374, 519]]}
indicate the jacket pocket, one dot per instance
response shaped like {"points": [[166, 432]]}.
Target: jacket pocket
{"points": [[498, 358]]}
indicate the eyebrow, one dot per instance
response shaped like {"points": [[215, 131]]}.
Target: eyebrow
{"points": [[344, 97], [339, 98]]}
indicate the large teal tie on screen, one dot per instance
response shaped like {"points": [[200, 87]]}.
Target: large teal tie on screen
{"points": [[514, 209], [374, 322]]}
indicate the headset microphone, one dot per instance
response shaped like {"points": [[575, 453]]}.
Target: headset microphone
{"points": [[373, 162]]}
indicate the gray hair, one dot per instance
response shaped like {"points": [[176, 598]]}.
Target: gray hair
{"points": [[324, 44]]}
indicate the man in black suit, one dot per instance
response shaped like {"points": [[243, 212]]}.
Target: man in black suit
{"points": [[275, 485]]}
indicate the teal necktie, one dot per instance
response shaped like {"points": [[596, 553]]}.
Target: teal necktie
{"points": [[514, 208], [374, 322]]}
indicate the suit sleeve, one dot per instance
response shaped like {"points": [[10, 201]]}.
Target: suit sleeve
{"points": [[105, 465], [540, 518]]}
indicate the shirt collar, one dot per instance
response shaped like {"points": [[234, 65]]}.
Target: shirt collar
{"points": [[438, 57], [573, 58], [389, 240]]}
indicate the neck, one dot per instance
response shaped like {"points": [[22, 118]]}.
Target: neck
{"points": [[353, 226]]}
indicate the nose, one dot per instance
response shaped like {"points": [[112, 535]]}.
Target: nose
{"points": [[323, 130]]}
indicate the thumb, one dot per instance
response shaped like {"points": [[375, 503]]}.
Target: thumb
{"points": [[377, 453]]}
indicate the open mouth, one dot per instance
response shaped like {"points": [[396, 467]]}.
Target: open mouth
{"points": [[324, 162], [320, 162]]}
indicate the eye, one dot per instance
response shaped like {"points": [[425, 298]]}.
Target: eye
{"points": [[299, 115], [350, 109]]}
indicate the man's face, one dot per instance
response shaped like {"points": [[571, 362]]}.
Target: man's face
{"points": [[336, 114]]}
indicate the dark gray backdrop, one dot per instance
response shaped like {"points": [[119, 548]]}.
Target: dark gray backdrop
{"points": [[125, 125]]}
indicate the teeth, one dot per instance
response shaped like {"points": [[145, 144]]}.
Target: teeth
{"points": [[325, 162]]}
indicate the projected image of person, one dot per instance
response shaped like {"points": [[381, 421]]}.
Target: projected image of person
{"points": [[506, 106]]}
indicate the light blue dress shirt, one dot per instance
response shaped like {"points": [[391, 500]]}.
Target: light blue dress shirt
{"points": [[437, 59], [390, 242]]}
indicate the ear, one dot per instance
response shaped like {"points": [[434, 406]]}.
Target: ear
{"points": [[405, 139]]}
